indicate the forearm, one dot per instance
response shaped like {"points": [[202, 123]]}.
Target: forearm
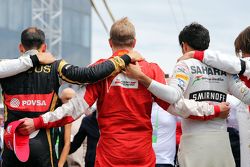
{"points": [[194, 110], [77, 141], [64, 154], [14, 66], [165, 92], [75, 74], [65, 114], [145, 80]]}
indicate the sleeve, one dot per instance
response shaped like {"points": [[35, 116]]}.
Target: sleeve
{"points": [[238, 89], [173, 93], [224, 62], [70, 111], [78, 138], [194, 110], [159, 77], [65, 114], [79, 75], [12, 67], [177, 85]]}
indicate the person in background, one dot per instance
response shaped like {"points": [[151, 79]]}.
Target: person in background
{"points": [[63, 134], [89, 128], [233, 128], [76, 159], [164, 136]]}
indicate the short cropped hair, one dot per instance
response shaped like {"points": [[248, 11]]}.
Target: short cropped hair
{"points": [[32, 38], [122, 33], [242, 42], [196, 36]]}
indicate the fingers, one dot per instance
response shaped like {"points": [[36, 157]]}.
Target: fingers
{"points": [[22, 131]]}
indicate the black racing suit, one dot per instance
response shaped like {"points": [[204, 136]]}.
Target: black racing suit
{"points": [[34, 92]]}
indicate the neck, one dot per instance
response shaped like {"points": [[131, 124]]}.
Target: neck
{"points": [[115, 49]]}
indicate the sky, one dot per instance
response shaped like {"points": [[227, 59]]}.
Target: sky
{"points": [[158, 23]]}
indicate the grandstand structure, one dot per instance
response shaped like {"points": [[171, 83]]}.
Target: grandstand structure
{"points": [[47, 15]]}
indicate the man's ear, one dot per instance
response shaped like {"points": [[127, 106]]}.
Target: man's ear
{"points": [[21, 48], [110, 43], [134, 43], [43, 48], [185, 47]]}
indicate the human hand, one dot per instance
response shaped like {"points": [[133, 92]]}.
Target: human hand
{"points": [[60, 164], [187, 55], [135, 56], [27, 127], [134, 71], [45, 57], [224, 110]]}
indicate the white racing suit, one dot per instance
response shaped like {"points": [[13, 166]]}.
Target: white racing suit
{"points": [[204, 143]]}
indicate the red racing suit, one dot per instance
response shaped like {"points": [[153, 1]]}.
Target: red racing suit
{"points": [[124, 113]]}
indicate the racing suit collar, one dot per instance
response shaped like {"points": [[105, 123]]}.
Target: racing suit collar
{"points": [[30, 52], [120, 52]]}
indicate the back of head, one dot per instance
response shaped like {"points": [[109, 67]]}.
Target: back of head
{"points": [[67, 94], [122, 33], [242, 42], [196, 36], [32, 38]]}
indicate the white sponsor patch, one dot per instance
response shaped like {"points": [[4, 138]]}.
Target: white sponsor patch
{"points": [[125, 82]]}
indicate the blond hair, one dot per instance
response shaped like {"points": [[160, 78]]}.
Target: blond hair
{"points": [[122, 33]]}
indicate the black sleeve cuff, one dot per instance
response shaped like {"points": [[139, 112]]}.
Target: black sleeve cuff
{"points": [[34, 60], [126, 59], [243, 67]]}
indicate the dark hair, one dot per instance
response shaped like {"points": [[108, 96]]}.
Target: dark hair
{"points": [[196, 36], [32, 38], [242, 42]]}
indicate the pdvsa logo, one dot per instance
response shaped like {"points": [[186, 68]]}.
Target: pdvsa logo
{"points": [[15, 103], [33, 103]]}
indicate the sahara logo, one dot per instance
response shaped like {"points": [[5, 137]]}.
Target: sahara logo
{"points": [[207, 79], [197, 78]]}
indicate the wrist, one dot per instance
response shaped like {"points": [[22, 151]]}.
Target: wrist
{"points": [[145, 80], [126, 58], [216, 110], [35, 60], [38, 122]]}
